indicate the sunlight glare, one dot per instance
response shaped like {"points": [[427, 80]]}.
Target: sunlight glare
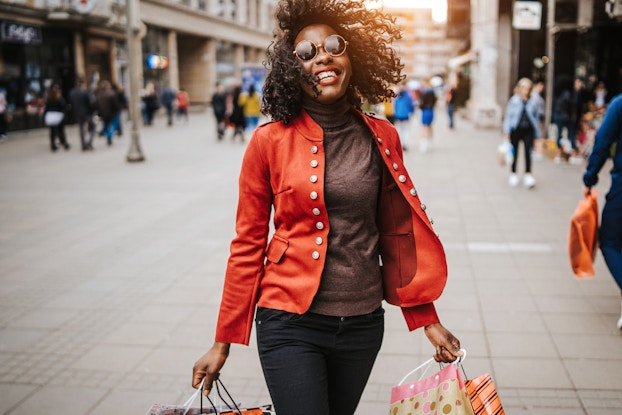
{"points": [[439, 7]]}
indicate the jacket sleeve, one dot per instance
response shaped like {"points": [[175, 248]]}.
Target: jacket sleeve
{"points": [[246, 261], [609, 132], [420, 316]]}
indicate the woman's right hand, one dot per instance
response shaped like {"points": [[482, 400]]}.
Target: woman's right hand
{"points": [[209, 365]]}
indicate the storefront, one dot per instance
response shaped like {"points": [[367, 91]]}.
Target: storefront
{"points": [[32, 58]]}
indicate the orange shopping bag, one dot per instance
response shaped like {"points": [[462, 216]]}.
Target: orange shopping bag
{"points": [[583, 239]]}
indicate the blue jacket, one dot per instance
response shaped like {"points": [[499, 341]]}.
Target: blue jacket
{"points": [[514, 111], [403, 106], [610, 132]]}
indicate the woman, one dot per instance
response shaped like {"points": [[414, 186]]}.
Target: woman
{"points": [[56, 104], [251, 105], [341, 198], [521, 124], [608, 143]]}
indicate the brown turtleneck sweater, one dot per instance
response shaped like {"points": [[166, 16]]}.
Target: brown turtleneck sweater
{"points": [[351, 281]]}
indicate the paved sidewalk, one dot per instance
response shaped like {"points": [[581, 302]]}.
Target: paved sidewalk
{"points": [[110, 276]]}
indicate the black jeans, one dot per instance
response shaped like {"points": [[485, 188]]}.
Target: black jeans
{"points": [[314, 364], [526, 136]]}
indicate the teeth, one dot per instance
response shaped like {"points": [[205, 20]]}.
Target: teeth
{"points": [[327, 74]]}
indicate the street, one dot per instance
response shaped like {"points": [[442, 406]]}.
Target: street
{"points": [[110, 276]]}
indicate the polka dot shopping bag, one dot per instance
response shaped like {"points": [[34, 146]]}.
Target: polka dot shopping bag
{"points": [[443, 393]]}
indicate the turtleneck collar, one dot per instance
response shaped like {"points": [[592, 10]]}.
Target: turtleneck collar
{"points": [[328, 116]]}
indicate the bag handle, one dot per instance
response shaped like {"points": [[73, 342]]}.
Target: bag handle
{"points": [[425, 365]]}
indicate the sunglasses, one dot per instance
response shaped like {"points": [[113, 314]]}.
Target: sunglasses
{"points": [[334, 45]]}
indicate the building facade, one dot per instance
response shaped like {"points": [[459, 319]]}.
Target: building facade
{"points": [[185, 43]]}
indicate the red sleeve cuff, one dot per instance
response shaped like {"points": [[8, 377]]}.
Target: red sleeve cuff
{"points": [[420, 316]]}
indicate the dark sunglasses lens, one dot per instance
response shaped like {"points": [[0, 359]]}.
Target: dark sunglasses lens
{"points": [[305, 50], [335, 45]]}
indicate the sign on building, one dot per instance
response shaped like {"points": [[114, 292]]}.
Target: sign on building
{"points": [[527, 15]]}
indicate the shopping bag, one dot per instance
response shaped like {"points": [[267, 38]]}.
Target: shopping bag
{"points": [[228, 406], [442, 393], [505, 153], [583, 239], [53, 118], [483, 396]]}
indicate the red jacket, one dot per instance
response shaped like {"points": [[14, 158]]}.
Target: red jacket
{"points": [[284, 168]]}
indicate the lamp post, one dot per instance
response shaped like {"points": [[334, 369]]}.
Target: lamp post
{"points": [[551, 31], [135, 153]]}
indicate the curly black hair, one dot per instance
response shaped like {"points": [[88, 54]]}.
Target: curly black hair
{"points": [[370, 34]]}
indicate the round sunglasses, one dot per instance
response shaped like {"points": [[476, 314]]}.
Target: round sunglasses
{"points": [[334, 45]]}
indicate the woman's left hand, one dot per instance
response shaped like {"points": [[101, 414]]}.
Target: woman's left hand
{"points": [[446, 344]]}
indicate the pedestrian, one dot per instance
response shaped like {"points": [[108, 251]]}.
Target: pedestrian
{"points": [[54, 117], [3, 119], [83, 107], [427, 101], [123, 104], [388, 110], [167, 98], [251, 105], [608, 143], [521, 124], [403, 109], [183, 102], [219, 106], [450, 102], [109, 109], [579, 100], [538, 100], [562, 109], [600, 96], [237, 118], [151, 103], [335, 181]]}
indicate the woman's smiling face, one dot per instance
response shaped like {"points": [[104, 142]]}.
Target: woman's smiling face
{"points": [[332, 72]]}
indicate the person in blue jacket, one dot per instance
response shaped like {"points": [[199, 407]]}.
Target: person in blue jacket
{"points": [[608, 143], [521, 123], [404, 108]]}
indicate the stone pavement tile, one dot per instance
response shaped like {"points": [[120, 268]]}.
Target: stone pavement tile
{"points": [[598, 374], [521, 345], [11, 395], [139, 334], [111, 357], [514, 322], [462, 320], [531, 373], [563, 304], [54, 399], [505, 300], [164, 313], [44, 318], [571, 346], [582, 324], [16, 339], [129, 402], [601, 401]]}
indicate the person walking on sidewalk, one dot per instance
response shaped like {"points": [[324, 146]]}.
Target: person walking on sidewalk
{"points": [[237, 118], [82, 105], [335, 180], [109, 109], [403, 109], [183, 103], [219, 106], [56, 103], [608, 143], [167, 98], [251, 105], [427, 103], [521, 123]]}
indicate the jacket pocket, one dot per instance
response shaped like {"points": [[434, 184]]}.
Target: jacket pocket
{"points": [[276, 249]]}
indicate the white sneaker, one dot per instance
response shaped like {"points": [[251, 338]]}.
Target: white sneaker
{"points": [[529, 181], [620, 323], [513, 180]]}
